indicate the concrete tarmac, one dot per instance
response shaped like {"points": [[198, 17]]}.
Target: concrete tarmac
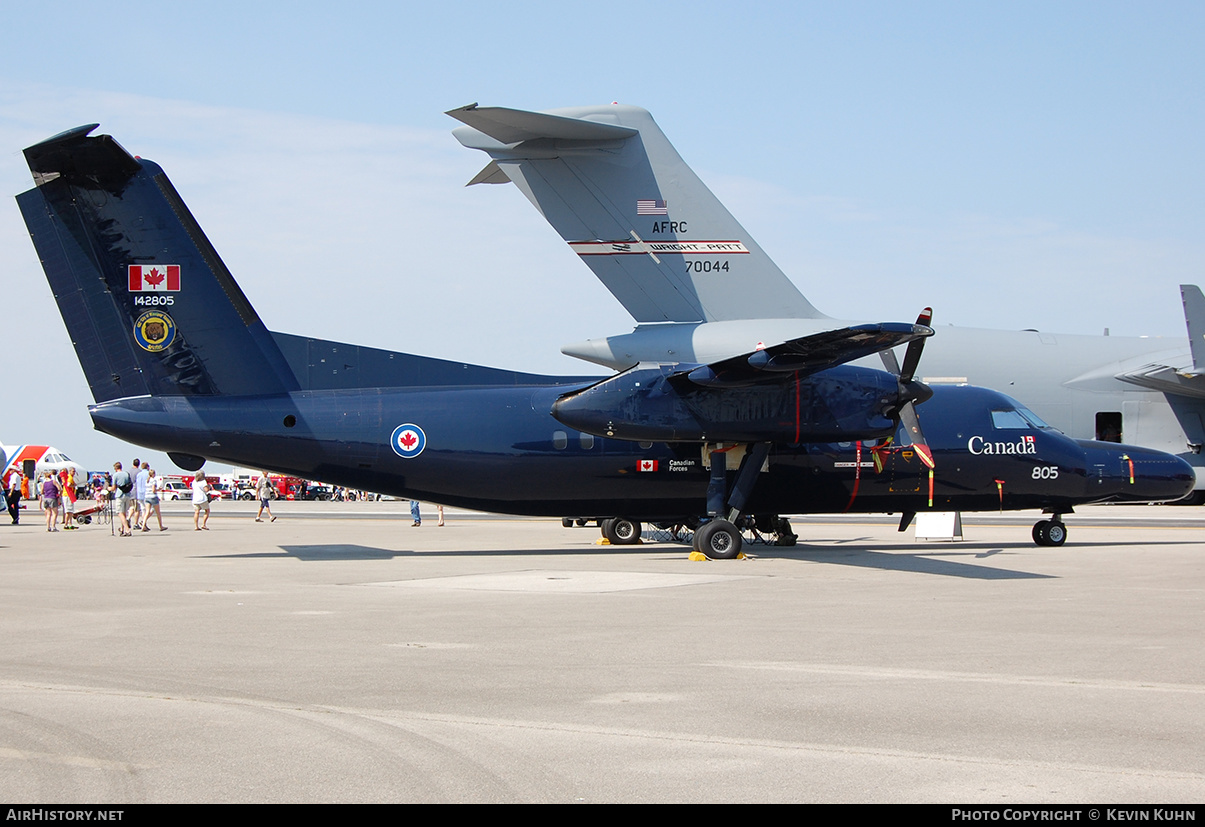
{"points": [[341, 655]]}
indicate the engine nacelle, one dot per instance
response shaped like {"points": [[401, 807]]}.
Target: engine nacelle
{"points": [[664, 405]]}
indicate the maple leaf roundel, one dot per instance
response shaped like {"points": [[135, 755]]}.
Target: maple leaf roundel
{"points": [[408, 440]]}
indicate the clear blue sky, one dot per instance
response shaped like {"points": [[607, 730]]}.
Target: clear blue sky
{"points": [[1015, 165]]}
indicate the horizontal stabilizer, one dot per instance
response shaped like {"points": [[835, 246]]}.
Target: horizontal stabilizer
{"points": [[511, 126], [807, 355]]}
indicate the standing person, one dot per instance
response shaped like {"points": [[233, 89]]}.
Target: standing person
{"points": [[67, 478], [440, 510], [154, 491], [120, 489], [138, 507], [263, 492], [52, 490], [414, 512], [200, 502], [13, 496]]}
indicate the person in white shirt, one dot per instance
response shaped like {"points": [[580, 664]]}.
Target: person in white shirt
{"points": [[264, 492], [13, 496], [200, 502], [154, 493]]}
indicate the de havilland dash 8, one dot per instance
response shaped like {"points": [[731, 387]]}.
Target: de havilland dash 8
{"points": [[178, 361]]}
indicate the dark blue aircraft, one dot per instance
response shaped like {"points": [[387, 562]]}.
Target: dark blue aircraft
{"points": [[178, 361]]}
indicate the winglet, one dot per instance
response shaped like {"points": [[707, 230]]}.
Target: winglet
{"points": [[1194, 318]]}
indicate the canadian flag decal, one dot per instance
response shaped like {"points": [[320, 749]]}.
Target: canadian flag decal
{"points": [[154, 278], [648, 465]]}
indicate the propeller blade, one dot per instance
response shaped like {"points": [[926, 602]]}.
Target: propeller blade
{"points": [[912, 390], [890, 362], [911, 423], [912, 354]]}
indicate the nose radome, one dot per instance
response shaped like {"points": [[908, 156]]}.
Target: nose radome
{"points": [[1128, 473], [1160, 476]]}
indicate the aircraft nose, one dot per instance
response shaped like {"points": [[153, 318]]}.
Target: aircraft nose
{"points": [[1128, 473]]}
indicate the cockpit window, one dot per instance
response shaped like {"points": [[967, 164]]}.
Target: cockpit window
{"points": [[1009, 421], [1034, 419], [1018, 419]]}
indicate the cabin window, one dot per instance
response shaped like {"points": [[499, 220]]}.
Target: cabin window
{"points": [[586, 440], [1108, 426], [560, 440]]}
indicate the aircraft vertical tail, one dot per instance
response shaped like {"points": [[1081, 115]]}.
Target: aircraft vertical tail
{"points": [[611, 184], [150, 306]]}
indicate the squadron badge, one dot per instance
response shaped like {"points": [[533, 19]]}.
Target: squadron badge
{"points": [[154, 331], [408, 441]]}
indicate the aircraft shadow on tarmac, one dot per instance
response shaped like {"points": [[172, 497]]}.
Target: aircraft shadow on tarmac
{"points": [[348, 551], [919, 562], [850, 553]]}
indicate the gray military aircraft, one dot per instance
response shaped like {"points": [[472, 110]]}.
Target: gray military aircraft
{"points": [[701, 290]]}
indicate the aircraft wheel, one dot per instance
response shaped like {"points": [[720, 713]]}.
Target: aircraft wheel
{"points": [[1039, 532], [566, 522], [1050, 533], [719, 540], [1056, 534], [620, 531]]}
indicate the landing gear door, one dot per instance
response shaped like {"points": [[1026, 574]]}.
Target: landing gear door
{"points": [[904, 470]]}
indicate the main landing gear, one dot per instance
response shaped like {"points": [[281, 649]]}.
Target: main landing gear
{"points": [[1050, 532], [720, 537], [620, 531]]}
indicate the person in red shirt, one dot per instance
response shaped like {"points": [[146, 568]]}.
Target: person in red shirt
{"points": [[67, 478]]}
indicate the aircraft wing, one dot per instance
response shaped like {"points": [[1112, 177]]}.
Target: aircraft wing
{"points": [[807, 355], [1170, 378]]}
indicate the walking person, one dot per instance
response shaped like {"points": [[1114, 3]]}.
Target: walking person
{"points": [[67, 478], [200, 502], [120, 488], [154, 493], [138, 512], [13, 496], [263, 492], [52, 492], [414, 512]]}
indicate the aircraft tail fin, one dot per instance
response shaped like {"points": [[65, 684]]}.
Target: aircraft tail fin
{"points": [[611, 184], [150, 306]]}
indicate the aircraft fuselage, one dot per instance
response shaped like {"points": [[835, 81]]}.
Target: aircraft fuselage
{"points": [[500, 449]]}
